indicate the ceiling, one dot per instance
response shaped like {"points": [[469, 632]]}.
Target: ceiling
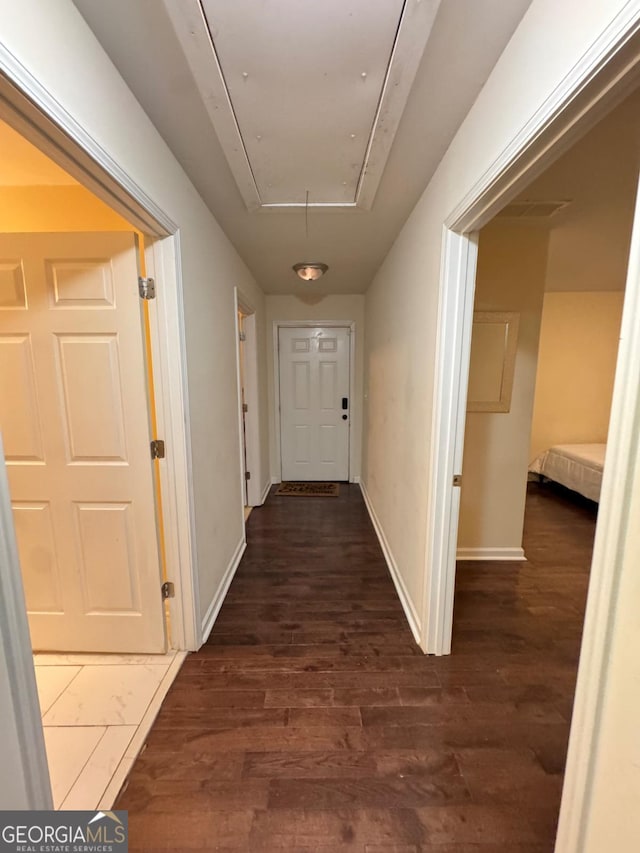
{"points": [[305, 100], [24, 165], [598, 177], [351, 101]]}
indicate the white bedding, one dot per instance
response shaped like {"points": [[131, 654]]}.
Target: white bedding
{"points": [[576, 466]]}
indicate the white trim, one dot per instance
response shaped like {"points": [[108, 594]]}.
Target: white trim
{"points": [[604, 75], [22, 719], [34, 111], [190, 24], [252, 398], [613, 522], [414, 30], [453, 348], [324, 206], [265, 491], [492, 555], [254, 414], [218, 599], [405, 600], [172, 416], [40, 117], [244, 491], [355, 403]]}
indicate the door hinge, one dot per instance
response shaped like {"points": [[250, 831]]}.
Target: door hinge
{"points": [[457, 479], [245, 408], [146, 288], [247, 475], [242, 336], [157, 448], [168, 590]]}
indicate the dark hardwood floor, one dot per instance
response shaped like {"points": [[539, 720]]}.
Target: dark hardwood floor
{"points": [[310, 721]]}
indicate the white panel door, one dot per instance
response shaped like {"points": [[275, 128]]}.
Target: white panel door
{"points": [[75, 421], [314, 403]]}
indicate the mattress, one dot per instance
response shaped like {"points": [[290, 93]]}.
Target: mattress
{"points": [[576, 466]]}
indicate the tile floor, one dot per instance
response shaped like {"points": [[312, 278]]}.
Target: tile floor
{"points": [[97, 711]]}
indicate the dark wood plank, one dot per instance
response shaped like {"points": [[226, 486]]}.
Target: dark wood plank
{"points": [[310, 720]]}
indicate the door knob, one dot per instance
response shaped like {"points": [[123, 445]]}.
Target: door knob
{"points": [[344, 417]]}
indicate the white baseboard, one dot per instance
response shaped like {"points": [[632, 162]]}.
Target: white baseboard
{"points": [[218, 599], [492, 554], [275, 480], [355, 479], [403, 595], [265, 492]]}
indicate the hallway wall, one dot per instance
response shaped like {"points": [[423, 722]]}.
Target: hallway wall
{"points": [[402, 302], [318, 307], [63, 54], [512, 262]]}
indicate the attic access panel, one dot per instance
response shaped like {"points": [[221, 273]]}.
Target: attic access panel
{"points": [[303, 95]]}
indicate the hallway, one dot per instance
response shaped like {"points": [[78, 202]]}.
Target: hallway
{"points": [[310, 721]]}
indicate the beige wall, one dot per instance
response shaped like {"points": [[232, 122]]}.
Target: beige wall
{"points": [[402, 302], [576, 368], [512, 262], [64, 55], [318, 307]]}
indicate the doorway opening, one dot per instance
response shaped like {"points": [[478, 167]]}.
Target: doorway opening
{"points": [[557, 257], [78, 416], [460, 252], [77, 390], [550, 281], [244, 408], [248, 403]]}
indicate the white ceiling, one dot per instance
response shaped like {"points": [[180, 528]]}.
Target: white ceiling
{"points": [[589, 239], [286, 47]]}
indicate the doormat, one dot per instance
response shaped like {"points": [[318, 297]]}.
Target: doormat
{"points": [[312, 490]]}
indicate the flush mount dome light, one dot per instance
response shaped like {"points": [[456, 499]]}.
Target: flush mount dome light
{"points": [[310, 272]]}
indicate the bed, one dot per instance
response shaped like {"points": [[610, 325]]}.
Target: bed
{"points": [[576, 466]]}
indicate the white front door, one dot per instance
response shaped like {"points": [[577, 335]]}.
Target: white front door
{"points": [[75, 421], [314, 403]]}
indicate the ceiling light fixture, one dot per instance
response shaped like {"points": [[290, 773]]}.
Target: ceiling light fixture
{"points": [[310, 272]]}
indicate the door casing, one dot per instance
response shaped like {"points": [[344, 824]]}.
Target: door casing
{"points": [[607, 73], [256, 493], [34, 112]]}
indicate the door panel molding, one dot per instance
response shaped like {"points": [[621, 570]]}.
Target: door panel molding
{"points": [[308, 324]]}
